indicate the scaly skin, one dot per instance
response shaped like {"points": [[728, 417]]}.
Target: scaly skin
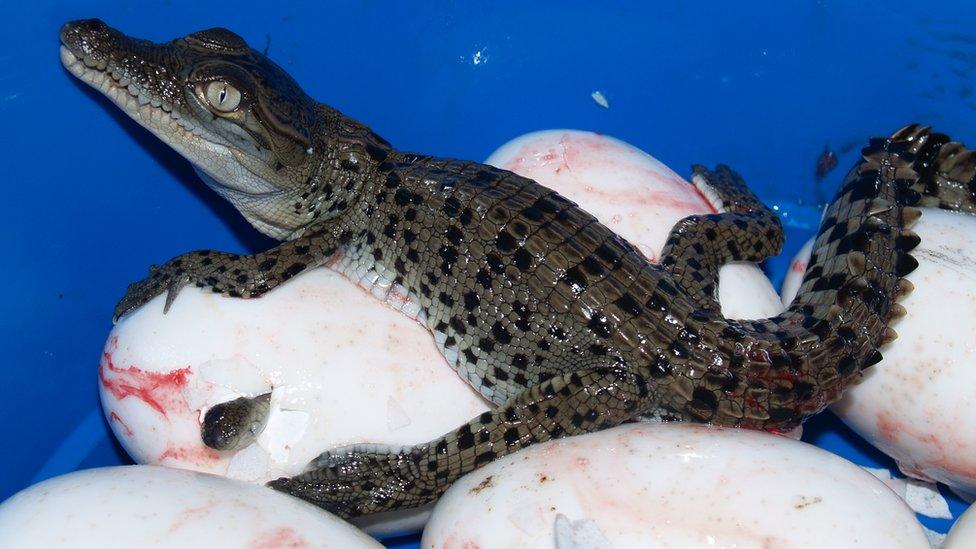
{"points": [[561, 323]]}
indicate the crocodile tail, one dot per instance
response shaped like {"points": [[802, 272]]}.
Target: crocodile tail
{"points": [[946, 170], [861, 255]]}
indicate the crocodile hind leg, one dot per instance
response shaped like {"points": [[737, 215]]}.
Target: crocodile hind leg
{"points": [[365, 479], [699, 245], [231, 274]]}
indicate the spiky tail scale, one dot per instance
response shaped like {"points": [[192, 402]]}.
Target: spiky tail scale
{"points": [[856, 274]]}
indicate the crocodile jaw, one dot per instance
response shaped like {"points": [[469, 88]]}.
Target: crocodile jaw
{"points": [[180, 133], [236, 171]]}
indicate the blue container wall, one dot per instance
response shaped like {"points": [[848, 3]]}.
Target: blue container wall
{"points": [[92, 200]]}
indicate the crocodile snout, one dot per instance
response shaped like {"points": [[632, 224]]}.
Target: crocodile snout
{"points": [[90, 38]]}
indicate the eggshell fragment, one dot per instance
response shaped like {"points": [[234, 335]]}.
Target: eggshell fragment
{"points": [[916, 405], [342, 367], [145, 506], [672, 485]]}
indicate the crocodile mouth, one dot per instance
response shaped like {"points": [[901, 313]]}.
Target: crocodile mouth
{"points": [[240, 152], [144, 107]]}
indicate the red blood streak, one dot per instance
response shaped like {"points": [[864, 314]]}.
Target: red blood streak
{"points": [[590, 151], [197, 454], [889, 428], [115, 417], [453, 543], [674, 197], [279, 538], [799, 267], [950, 456], [190, 515], [156, 389]]}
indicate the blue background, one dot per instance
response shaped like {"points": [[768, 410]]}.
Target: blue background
{"points": [[91, 199]]}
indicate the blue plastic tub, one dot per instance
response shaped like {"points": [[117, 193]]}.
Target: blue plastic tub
{"points": [[92, 199]]}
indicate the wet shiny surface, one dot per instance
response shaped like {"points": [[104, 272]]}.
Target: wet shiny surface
{"points": [[764, 102]]}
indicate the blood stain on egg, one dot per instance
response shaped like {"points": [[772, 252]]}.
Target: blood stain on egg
{"points": [[191, 514], [115, 417], [189, 454], [889, 428], [279, 538], [160, 391], [952, 460], [452, 543]]}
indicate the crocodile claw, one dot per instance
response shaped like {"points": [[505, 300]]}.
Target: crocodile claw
{"points": [[360, 480], [160, 280]]}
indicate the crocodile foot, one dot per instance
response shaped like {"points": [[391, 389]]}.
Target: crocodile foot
{"points": [[362, 479]]}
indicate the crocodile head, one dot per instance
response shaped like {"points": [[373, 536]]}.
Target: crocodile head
{"points": [[246, 126]]}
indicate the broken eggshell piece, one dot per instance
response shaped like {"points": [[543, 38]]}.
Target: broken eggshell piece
{"points": [[341, 366], [916, 404], [672, 485], [145, 506]]}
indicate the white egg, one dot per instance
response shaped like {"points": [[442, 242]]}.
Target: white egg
{"points": [[144, 506], [342, 366], [963, 533], [672, 485], [916, 405]]}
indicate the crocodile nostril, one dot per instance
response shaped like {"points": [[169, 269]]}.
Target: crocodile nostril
{"points": [[81, 27], [87, 36]]}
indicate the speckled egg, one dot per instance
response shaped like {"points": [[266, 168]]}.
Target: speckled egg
{"points": [[148, 507], [917, 404], [672, 485]]}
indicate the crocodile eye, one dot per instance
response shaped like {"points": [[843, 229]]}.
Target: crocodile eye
{"points": [[222, 96]]}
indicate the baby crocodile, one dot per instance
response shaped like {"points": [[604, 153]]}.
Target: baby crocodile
{"points": [[561, 323]]}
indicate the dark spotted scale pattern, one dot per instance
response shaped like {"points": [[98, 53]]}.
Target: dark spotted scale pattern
{"points": [[561, 323], [568, 329]]}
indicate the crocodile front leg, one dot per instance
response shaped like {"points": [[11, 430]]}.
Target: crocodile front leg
{"points": [[365, 479], [231, 274]]}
